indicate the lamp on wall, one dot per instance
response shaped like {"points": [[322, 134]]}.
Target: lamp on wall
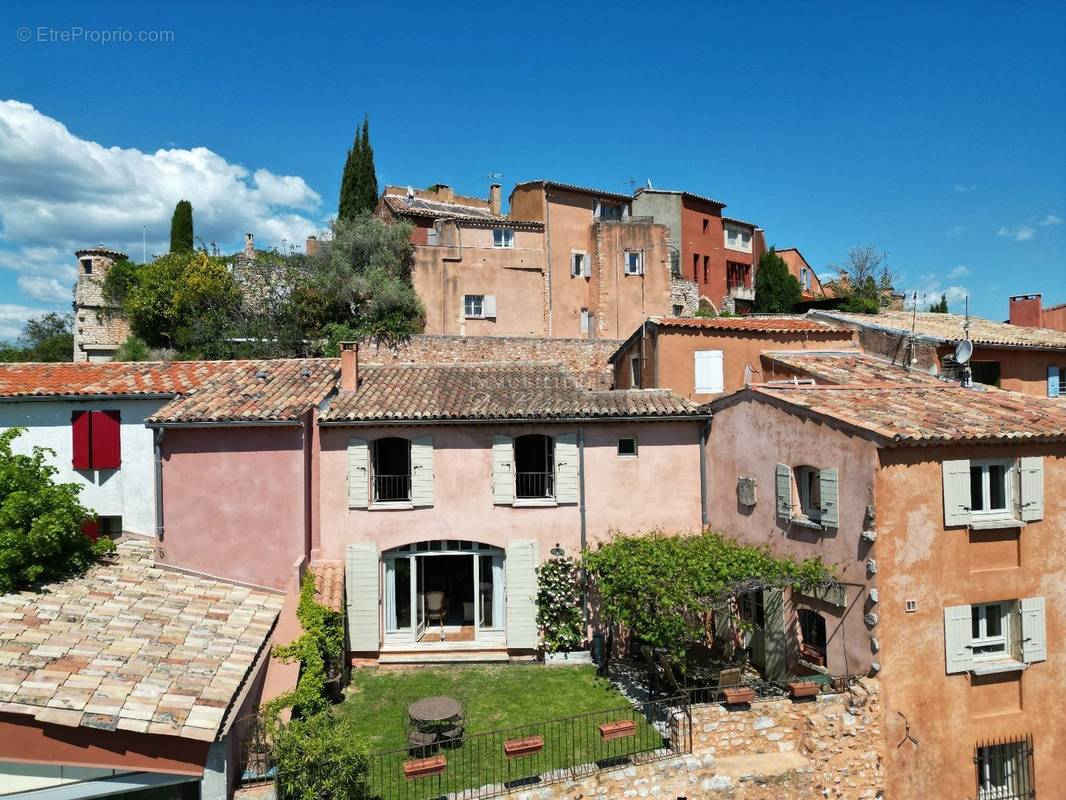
{"points": [[558, 551]]}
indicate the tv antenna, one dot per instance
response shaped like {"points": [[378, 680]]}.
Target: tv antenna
{"points": [[964, 349], [495, 177]]}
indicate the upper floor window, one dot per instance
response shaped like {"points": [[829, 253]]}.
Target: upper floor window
{"points": [[502, 237], [87, 266], [586, 320], [706, 224], [990, 487], [580, 266], [993, 492], [609, 211], [738, 276], [737, 238], [391, 470], [1056, 381], [635, 377], [805, 278], [809, 493], [534, 460], [96, 439], [627, 446], [995, 637], [634, 262], [990, 626], [534, 469], [709, 377], [807, 496], [986, 372], [479, 306]]}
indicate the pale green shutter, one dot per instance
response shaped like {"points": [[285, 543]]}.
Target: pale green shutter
{"points": [[520, 570], [828, 493], [956, 492], [1032, 487], [784, 491], [502, 470], [566, 468], [958, 633], [358, 480], [1034, 630], [422, 470], [361, 586], [774, 658]]}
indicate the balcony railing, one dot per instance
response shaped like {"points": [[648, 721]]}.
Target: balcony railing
{"points": [[392, 488], [742, 292], [534, 485]]}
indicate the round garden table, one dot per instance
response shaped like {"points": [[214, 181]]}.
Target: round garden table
{"points": [[434, 712]]}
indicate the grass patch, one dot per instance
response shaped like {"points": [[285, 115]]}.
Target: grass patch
{"points": [[523, 700]]}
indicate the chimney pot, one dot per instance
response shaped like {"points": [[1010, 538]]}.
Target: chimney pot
{"points": [[349, 366], [311, 247], [495, 200], [1027, 310]]}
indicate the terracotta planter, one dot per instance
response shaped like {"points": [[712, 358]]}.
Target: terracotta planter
{"points": [[514, 748], [734, 695], [618, 730], [800, 689], [424, 767]]}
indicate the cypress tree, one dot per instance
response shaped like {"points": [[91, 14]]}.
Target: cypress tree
{"points": [[181, 232], [369, 182], [776, 289], [359, 183]]}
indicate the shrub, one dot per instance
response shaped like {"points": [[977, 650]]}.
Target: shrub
{"points": [[40, 521], [857, 304], [319, 758], [559, 608]]}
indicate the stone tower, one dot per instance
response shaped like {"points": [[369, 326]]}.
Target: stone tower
{"points": [[99, 327]]}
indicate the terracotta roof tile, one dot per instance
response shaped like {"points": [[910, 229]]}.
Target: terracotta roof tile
{"points": [[847, 367], [329, 583], [132, 646], [923, 415], [404, 206], [254, 391], [753, 324], [490, 392], [126, 379], [949, 328]]}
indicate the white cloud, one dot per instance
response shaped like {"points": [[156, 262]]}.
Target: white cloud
{"points": [[1019, 233], [962, 188], [12, 318], [1050, 219], [957, 272], [45, 289], [929, 289], [59, 192]]}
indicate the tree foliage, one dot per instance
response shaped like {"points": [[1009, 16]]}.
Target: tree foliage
{"points": [[776, 289], [864, 275], [319, 757], [559, 612], [661, 588], [359, 183], [48, 337], [40, 521], [940, 306], [181, 230]]}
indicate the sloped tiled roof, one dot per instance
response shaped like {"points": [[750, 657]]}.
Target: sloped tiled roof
{"points": [[752, 324], [405, 206], [949, 328], [131, 646], [118, 379], [848, 367], [923, 415], [254, 391], [491, 392], [571, 187], [681, 193], [329, 583]]}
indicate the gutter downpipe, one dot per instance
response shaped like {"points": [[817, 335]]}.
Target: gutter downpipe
{"points": [[705, 429], [581, 509], [158, 448], [548, 254]]}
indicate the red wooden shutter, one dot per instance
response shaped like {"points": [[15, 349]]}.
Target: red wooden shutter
{"points": [[106, 448], [91, 528], [79, 423]]}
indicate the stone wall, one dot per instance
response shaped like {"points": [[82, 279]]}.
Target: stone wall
{"points": [[685, 293]]}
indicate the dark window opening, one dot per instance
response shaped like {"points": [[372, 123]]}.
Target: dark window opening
{"points": [[986, 372], [750, 608], [534, 461], [706, 269], [706, 222], [392, 470], [87, 265], [627, 446], [1005, 770], [695, 266], [812, 631], [738, 276]]}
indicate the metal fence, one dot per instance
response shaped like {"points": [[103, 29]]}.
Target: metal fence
{"points": [[534, 485], [484, 765], [392, 487], [255, 759], [1005, 769]]}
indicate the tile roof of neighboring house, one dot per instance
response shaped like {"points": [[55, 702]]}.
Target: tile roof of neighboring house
{"points": [[897, 415], [116, 379], [752, 324], [329, 583], [278, 390], [405, 206], [485, 392], [948, 328], [847, 367], [736, 221], [681, 193], [131, 646], [570, 187]]}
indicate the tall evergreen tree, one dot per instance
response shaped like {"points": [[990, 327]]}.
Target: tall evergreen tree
{"points": [[776, 289], [359, 182], [941, 306], [181, 233]]}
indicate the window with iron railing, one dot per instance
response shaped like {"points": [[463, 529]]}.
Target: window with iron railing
{"points": [[391, 470], [534, 456], [1005, 770]]}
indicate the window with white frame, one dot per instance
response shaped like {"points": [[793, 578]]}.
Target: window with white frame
{"points": [[993, 492], [634, 262], [990, 628], [995, 637], [580, 266], [710, 376], [807, 496], [808, 492], [634, 371], [502, 237], [990, 488], [586, 320], [479, 306], [737, 238], [609, 211]]}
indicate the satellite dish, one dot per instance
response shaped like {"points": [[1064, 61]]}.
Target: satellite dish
{"points": [[963, 351]]}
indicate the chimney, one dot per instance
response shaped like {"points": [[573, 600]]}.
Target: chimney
{"points": [[445, 193], [1027, 310], [249, 244], [494, 199], [349, 366], [312, 245]]}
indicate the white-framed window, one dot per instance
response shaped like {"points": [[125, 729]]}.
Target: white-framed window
{"points": [[807, 496], [710, 376], [990, 488], [502, 237], [609, 211], [586, 320], [634, 262], [737, 238], [479, 306], [990, 628], [580, 265], [634, 371], [627, 446], [808, 492], [993, 492]]}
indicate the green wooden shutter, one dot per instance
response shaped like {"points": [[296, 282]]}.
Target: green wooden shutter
{"points": [[775, 662], [956, 492], [958, 633], [1031, 498], [784, 491], [828, 493], [361, 587], [502, 470], [566, 468], [358, 475], [520, 572], [422, 471], [1034, 630]]}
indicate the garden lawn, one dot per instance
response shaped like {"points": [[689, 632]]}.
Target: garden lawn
{"points": [[514, 700]]}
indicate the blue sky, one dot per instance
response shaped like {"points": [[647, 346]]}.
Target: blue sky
{"points": [[933, 131]]}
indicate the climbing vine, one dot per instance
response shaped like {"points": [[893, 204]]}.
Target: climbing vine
{"points": [[559, 612]]}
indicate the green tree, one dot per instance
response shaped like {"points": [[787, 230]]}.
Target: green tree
{"points": [[865, 278], [133, 349], [941, 306], [319, 757], [40, 521], [48, 337], [359, 183], [181, 231], [776, 289]]}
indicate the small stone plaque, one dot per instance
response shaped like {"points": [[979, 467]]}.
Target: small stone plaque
{"points": [[746, 491]]}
